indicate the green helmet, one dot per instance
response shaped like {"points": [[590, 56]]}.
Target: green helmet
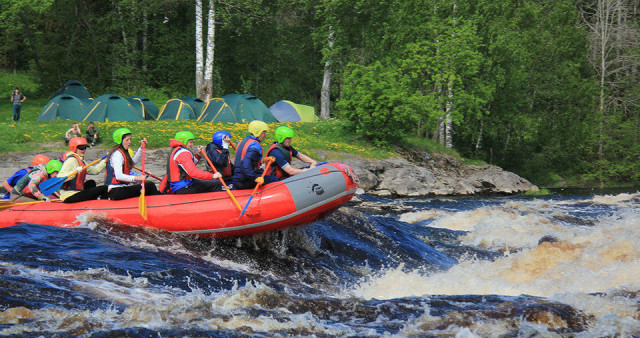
{"points": [[184, 136], [53, 165], [282, 133], [257, 127], [119, 134]]}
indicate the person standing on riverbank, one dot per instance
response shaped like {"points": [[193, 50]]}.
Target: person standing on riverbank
{"points": [[16, 99]]}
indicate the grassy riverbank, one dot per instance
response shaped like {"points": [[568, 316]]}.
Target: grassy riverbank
{"points": [[27, 135]]}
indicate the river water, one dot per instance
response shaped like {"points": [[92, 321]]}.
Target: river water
{"points": [[566, 264]]}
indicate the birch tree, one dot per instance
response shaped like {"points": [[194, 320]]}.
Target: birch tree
{"points": [[613, 39]]}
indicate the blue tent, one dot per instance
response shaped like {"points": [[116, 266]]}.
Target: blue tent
{"points": [[287, 111]]}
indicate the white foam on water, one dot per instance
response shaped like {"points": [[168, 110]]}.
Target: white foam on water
{"points": [[161, 307], [583, 260]]}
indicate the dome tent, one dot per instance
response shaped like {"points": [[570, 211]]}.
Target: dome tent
{"points": [[176, 109], [247, 108], [195, 103], [287, 111], [73, 88], [111, 107], [149, 109], [65, 107], [217, 110]]}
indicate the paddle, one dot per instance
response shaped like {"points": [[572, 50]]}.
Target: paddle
{"points": [[6, 204], [142, 204], [52, 185], [266, 169], [148, 173], [204, 153]]}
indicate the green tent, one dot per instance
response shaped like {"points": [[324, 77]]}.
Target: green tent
{"points": [[111, 107], [73, 88], [195, 103], [176, 109], [149, 109], [287, 111], [247, 108], [65, 107], [217, 110]]}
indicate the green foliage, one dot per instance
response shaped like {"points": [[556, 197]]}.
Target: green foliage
{"points": [[376, 99], [10, 80]]}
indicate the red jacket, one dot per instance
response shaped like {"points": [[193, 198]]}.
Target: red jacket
{"points": [[182, 164]]}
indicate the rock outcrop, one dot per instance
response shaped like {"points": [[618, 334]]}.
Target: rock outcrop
{"points": [[421, 174]]}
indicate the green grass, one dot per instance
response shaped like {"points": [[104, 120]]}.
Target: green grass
{"points": [[331, 137]]}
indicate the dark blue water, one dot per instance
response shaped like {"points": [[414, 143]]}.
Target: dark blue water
{"points": [[564, 264]]}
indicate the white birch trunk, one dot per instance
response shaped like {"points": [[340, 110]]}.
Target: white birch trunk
{"points": [[207, 88], [325, 92], [145, 36], [448, 125], [199, 49]]}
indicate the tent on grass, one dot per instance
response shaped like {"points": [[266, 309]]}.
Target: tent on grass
{"points": [[247, 108], [217, 110], [149, 109], [73, 88], [287, 111], [195, 103], [176, 109], [65, 107], [111, 107]]}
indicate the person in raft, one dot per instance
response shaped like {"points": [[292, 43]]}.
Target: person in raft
{"points": [[218, 153], [283, 153], [246, 169], [28, 187], [77, 189], [121, 183], [183, 175], [11, 181]]}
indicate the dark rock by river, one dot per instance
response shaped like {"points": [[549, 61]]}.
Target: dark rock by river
{"points": [[422, 174]]}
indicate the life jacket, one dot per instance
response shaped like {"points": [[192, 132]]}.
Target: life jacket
{"points": [[174, 172], [226, 170], [22, 186], [78, 182], [241, 151], [110, 174], [288, 155], [176, 177]]}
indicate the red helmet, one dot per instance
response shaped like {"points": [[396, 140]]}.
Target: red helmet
{"points": [[77, 141], [39, 159]]}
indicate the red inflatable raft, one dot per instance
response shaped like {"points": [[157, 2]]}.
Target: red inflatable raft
{"points": [[300, 199]]}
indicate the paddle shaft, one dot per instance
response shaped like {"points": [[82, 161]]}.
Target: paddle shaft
{"points": [[204, 153], [266, 169], [148, 173], [51, 185], [6, 205], [142, 203]]}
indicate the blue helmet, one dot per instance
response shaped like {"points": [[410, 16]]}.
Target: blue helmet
{"points": [[218, 136]]}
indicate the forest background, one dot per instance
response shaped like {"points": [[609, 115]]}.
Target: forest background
{"points": [[546, 89]]}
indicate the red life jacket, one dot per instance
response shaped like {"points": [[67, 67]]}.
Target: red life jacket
{"points": [[78, 182], [275, 169], [110, 172], [175, 173]]}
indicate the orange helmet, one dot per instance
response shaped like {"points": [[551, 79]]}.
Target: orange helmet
{"points": [[39, 159], [77, 141]]}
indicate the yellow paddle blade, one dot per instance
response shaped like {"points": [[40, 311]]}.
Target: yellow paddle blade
{"points": [[142, 205]]}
